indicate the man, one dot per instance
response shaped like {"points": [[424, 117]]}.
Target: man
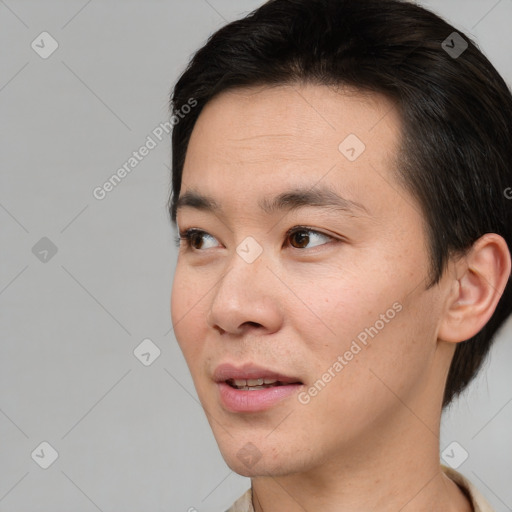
{"points": [[344, 259]]}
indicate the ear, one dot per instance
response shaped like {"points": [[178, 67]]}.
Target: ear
{"points": [[479, 279]]}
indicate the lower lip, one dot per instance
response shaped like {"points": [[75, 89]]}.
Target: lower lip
{"points": [[239, 400]]}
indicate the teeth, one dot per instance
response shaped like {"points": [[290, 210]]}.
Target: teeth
{"points": [[253, 384]]}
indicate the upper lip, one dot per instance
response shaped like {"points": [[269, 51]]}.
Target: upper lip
{"points": [[227, 371]]}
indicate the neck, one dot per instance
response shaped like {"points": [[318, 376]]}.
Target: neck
{"points": [[436, 492], [404, 474]]}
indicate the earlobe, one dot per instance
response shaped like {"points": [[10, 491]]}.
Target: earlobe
{"points": [[480, 279]]}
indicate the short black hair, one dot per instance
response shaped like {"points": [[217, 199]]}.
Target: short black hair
{"points": [[455, 154]]}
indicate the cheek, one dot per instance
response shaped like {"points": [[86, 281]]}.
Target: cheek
{"points": [[373, 325], [387, 359], [340, 306], [188, 312]]}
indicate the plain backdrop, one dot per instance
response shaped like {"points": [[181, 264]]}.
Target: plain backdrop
{"points": [[83, 281]]}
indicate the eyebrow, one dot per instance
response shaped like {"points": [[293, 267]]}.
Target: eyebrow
{"points": [[320, 197]]}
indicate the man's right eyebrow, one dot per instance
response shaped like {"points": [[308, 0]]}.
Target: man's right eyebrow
{"points": [[198, 201]]}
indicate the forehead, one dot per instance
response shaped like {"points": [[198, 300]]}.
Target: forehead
{"points": [[292, 135], [291, 121]]}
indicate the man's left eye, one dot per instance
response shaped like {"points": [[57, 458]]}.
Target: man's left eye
{"points": [[300, 238]]}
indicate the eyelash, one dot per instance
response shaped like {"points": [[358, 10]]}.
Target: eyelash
{"points": [[187, 234]]}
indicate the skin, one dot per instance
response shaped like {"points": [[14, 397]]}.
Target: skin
{"points": [[369, 441]]}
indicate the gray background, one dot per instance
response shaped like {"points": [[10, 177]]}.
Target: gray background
{"points": [[132, 437]]}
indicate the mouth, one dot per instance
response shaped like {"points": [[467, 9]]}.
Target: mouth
{"points": [[255, 384], [253, 388]]}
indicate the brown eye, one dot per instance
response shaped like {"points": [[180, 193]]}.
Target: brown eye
{"points": [[299, 239], [196, 240], [304, 237]]}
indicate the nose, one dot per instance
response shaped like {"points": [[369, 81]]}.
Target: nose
{"points": [[246, 298]]}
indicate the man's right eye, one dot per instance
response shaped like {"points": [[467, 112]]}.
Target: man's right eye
{"points": [[194, 239]]}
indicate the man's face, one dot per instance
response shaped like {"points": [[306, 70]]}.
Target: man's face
{"points": [[338, 305]]}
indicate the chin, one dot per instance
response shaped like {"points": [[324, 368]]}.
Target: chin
{"points": [[249, 461], [243, 470]]}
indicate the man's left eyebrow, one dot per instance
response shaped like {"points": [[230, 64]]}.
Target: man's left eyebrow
{"points": [[313, 197]]}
